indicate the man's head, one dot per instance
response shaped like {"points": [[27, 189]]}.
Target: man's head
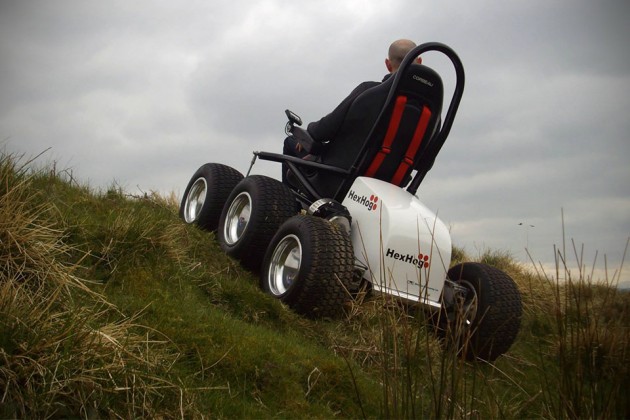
{"points": [[397, 51]]}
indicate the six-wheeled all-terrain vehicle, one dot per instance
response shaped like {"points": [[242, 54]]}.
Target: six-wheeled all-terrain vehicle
{"points": [[348, 216]]}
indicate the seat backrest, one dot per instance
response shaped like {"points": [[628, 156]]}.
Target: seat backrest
{"points": [[385, 131]]}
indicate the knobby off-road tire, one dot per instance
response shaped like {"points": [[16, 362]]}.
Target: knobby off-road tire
{"points": [[206, 193], [489, 326], [309, 266], [253, 213]]}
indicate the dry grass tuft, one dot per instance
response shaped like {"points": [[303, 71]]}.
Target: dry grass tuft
{"points": [[587, 365], [64, 350]]}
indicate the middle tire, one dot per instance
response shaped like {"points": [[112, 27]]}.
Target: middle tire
{"points": [[252, 214], [309, 266]]}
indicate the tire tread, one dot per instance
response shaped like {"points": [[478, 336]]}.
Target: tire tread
{"points": [[221, 180]]}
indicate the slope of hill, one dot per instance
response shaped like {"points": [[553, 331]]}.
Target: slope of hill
{"points": [[111, 306]]}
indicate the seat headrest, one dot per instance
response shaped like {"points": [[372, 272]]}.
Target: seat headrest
{"points": [[422, 80]]}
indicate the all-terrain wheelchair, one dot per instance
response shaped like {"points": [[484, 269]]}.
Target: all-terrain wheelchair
{"points": [[351, 217]]}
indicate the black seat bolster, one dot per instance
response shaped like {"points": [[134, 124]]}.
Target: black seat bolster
{"points": [[309, 144]]}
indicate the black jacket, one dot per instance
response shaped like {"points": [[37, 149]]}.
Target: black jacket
{"points": [[326, 128]]}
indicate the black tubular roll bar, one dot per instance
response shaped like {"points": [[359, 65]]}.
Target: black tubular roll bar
{"points": [[435, 145]]}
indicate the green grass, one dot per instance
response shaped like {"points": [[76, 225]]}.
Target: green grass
{"points": [[111, 306]]}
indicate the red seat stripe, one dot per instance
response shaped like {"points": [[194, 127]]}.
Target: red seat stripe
{"points": [[414, 145], [394, 123]]}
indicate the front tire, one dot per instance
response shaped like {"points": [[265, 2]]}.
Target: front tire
{"points": [[309, 266], [256, 208], [206, 193], [485, 320]]}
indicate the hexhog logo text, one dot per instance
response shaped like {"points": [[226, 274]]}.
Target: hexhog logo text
{"points": [[420, 261], [370, 202]]}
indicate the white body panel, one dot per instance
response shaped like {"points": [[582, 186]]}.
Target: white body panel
{"points": [[406, 248]]}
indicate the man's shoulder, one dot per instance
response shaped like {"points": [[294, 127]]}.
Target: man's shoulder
{"points": [[362, 87], [368, 84]]}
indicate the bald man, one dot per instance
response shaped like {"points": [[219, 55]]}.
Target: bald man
{"points": [[397, 52], [326, 128]]}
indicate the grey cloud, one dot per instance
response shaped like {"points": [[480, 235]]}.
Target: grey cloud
{"points": [[145, 92]]}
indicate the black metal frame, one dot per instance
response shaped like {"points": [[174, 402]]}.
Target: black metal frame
{"points": [[429, 154]]}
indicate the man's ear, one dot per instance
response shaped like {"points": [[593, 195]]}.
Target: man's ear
{"points": [[388, 64]]}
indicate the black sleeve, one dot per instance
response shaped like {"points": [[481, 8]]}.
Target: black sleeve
{"points": [[326, 128]]}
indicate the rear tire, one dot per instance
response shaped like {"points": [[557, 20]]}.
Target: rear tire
{"points": [[309, 266], [485, 324], [206, 193], [253, 213]]}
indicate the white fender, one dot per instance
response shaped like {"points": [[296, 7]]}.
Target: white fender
{"points": [[405, 247]]}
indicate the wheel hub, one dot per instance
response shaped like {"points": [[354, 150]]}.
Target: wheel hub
{"points": [[465, 303], [237, 218], [195, 199], [284, 266]]}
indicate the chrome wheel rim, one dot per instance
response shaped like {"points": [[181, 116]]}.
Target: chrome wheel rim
{"points": [[194, 200], [284, 265], [237, 218]]}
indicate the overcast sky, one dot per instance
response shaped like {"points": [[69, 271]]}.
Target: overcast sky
{"points": [[142, 93]]}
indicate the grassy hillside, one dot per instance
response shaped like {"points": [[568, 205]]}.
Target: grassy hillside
{"points": [[110, 306]]}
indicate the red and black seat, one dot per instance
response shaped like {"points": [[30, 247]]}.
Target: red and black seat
{"points": [[389, 131], [386, 129]]}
